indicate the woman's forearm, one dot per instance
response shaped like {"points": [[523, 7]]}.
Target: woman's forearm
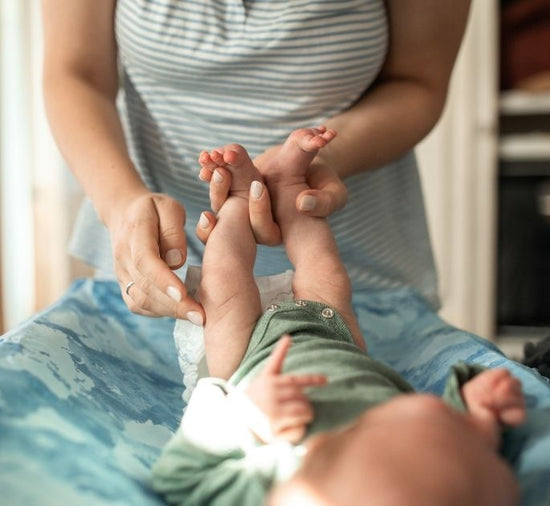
{"points": [[85, 123], [385, 124], [80, 89], [407, 100]]}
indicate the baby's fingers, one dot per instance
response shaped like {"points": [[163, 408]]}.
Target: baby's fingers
{"points": [[274, 364], [291, 387], [293, 419], [292, 434], [303, 380]]}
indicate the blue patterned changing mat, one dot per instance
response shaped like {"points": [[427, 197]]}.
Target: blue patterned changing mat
{"points": [[89, 393]]}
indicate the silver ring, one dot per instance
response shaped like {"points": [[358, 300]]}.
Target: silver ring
{"points": [[128, 286]]}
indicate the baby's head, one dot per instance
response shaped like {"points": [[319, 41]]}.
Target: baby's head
{"points": [[413, 448]]}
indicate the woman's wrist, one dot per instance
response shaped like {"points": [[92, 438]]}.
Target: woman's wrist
{"points": [[114, 203]]}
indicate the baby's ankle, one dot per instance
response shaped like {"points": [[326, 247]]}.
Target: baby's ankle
{"points": [[278, 177]]}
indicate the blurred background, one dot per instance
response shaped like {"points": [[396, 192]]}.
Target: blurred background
{"points": [[485, 170]]}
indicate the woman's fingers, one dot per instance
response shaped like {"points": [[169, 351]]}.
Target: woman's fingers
{"points": [[326, 195], [171, 230], [150, 236], [219, 188], [265, 230], [158, 291], [205, 225]]}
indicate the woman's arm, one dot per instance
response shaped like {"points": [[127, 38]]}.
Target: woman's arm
{"points": [[398, 111], [408, 97], [80, 88]]}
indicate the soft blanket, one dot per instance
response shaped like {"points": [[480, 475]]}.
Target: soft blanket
{"points": [[89, 393]]}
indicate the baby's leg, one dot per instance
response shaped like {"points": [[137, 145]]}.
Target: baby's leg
{"points": [[310, 245], [494, 397], [228, 291]]}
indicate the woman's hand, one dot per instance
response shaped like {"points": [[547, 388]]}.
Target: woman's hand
{"points": [[148, 239], [327, 194], [81, 83]]}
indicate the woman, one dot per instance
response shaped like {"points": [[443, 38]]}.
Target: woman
{"points": [[207, 72], [88, 382]]}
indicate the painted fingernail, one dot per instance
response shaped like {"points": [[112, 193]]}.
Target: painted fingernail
{"points": [[256, 190], [217, 177], [173, 293], [204, 222], [308, 203], [173, 257], [195, 318]]}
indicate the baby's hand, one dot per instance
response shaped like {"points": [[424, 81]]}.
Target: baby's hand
{"points": [[281, 397]]}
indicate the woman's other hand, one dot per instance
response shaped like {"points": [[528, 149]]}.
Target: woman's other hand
{"points": [[81, 84], [327, 192], [148, 239]]}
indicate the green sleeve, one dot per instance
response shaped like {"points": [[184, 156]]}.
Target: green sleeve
{"points": [[189, 476], [459, 375], [213, 458]]}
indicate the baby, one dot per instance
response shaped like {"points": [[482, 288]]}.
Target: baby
{"points": [[296, 409]]}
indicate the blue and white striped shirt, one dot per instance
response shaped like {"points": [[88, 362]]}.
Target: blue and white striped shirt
{"points": [[203, 73]]}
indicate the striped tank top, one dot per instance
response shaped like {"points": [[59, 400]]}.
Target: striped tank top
{"points": [[198, 74]]}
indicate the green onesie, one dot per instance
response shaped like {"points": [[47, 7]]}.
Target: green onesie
{"points": [[219, 469]]}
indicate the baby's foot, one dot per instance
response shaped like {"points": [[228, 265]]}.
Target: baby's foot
{"points": [[494, 397], [231, 170], [294, 157]]}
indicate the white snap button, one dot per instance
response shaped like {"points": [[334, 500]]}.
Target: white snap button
{"points": [[301, 303], [272, 307], [327, 312]]}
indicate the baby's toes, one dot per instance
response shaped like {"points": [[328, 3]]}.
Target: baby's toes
{"points": [[217, 156], [205, 160], [207, 166], [236, 155], [312, 139]]}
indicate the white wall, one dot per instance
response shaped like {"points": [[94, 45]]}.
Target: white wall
{"points": [[458, 164], [17, 239], [37, 192]]}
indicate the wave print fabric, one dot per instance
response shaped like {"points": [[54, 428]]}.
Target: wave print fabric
{"points": [[89, 394]]}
